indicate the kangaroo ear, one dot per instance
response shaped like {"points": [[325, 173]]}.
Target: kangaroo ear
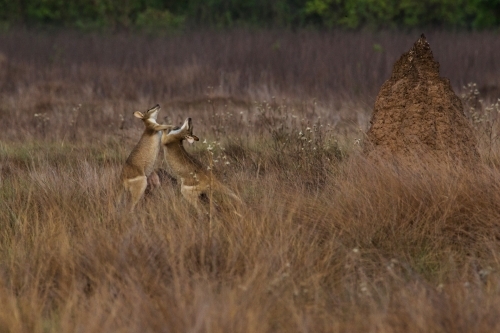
{"points": [[192, 138], [187, 123], [138, 114]]}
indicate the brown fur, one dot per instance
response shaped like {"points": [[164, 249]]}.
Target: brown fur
{"points": [[140, 163], [198, 184]]}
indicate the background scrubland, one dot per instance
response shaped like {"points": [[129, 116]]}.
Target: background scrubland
{"points": [[327, 241]]}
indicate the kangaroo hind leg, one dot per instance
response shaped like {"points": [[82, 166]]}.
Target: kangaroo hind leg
{"points": [[136, 187], [192, 195]]}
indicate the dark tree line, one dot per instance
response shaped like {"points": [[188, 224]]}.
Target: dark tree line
{"points": [[155, 15]]}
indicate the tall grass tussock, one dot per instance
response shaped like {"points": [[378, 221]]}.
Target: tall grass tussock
{"points": [[327, 241]]}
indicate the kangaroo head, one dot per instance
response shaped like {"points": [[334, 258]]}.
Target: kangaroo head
{"points": [[148, 117], [177, 134]]}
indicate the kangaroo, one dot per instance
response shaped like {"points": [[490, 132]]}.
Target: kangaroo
{"points": [[197, 183], [140, 163]]}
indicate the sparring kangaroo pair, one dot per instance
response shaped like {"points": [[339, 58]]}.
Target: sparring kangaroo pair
{"points": [[196, 182]]}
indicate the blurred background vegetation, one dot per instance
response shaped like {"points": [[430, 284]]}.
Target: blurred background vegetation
{"points": [[151, 15]]}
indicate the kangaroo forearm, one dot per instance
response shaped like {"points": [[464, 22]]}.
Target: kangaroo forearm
{"points": [[159, 127]]}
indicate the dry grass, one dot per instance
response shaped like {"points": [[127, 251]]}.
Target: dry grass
{"points": [[327, 242]]}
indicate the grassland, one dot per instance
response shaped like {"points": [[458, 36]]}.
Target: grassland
{"points": [[327, 241]]}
